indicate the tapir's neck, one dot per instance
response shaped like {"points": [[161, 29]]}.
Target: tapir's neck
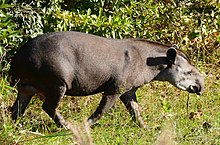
{"points": [[154, 72], [154, 55]]}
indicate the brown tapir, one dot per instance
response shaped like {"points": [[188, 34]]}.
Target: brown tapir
{"points": [[77, 64]]}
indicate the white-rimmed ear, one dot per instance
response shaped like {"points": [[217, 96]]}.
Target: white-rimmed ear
{"points": [[171, 55], [175, 46]]}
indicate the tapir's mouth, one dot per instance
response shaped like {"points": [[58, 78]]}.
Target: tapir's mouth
{"points": [[194, 89]]}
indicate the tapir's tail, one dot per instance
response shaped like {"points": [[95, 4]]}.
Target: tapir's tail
{"points": [[12, 81], [12, 78]]}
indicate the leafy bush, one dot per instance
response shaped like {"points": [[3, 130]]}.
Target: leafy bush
{"points": [[8, 34], [193, 25]]}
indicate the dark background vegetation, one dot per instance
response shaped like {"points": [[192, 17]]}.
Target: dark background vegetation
{"points": [[194, 25]]}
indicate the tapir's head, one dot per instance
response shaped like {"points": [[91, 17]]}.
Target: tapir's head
{"points": [[181, 73]]}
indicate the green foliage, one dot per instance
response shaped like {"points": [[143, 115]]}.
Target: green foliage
{"points": [[8, 34], [193, 25]]}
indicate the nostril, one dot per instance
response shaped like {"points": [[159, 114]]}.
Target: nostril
{"points": [[194, 89]]}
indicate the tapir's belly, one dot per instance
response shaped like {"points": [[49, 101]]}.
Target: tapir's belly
{"points": [[83, 92], [77, 90]]}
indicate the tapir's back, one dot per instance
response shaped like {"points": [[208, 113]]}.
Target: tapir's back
{"points": [[51, 46]]}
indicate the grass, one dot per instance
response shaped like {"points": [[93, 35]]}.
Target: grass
{"points": [[164, 109]]}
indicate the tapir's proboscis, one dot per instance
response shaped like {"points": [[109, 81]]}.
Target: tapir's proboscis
{"points": [[77, 64]]}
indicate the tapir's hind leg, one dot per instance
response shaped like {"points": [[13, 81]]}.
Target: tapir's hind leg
{"points": [[51, 102], [25, 92]]}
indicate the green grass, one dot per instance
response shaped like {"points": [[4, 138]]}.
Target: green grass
{"points": [[164, 109]]}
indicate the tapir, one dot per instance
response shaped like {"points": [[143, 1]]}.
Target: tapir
{"points": [[78, 64]]}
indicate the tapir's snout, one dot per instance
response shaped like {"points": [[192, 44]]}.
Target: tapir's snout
{"points": [[197, 88]]}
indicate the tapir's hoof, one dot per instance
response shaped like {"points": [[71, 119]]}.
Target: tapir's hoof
{"points": [[67, 126], [90, 122], [142, 125]]}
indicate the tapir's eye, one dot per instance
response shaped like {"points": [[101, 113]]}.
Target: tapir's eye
{"points": [[189, 72]]}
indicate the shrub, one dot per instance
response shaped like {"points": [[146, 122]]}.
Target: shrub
{"points": [[193, 25]]}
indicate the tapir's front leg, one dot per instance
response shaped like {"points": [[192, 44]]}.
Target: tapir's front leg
{"points": [[105, 104], [130, 101]]}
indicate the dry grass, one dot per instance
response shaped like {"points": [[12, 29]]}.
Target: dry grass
{"points": [[167, 136], [81, 133]]}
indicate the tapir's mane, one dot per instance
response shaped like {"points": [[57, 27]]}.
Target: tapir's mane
{"points": [[153, 42], [179, 51]]}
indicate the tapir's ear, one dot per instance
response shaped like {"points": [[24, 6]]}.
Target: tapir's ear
{"points": [[171, 55]]}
